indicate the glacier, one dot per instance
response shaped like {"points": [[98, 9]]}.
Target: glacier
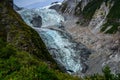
{"points": [[68, 54], [49, 17]]}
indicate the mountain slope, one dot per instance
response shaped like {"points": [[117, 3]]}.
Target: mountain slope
{"points": [[86, 10], [88, 21], [23, 55]]}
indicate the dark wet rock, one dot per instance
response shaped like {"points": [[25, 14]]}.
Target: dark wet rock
{"points": [[55, 7], [37, 21], [17, 8], [11, 2], [85, 67], [54, 2], [70, 71], [62, 27], [62, 67]]}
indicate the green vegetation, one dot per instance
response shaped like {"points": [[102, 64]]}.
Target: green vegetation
{"points": [[20, 35], [107, 75], [113, 18], [23, 55], [91, 7], [20, 65]]}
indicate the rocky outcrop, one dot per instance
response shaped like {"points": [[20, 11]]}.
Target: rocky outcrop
{"points": [[73, 6], [87, 22], [36, 21], [94, 13], [15, 7], [55, 7]]}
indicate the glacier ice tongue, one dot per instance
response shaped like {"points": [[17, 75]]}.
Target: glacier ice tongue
{"points": [[64, 50], [61, 49], [49, 16]]}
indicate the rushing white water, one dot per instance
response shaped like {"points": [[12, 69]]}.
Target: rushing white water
{"points": [[64, 50]]}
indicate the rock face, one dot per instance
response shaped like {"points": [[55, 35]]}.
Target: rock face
{"points": [[85, 21], [99, 18], [55, 5], [97, 14], [73, 6], [16, 8], [37, 21], [68, 6]]}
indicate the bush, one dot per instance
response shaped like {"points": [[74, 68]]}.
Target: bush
{"points": [[107, 75], [33, 73], [6, 52]]}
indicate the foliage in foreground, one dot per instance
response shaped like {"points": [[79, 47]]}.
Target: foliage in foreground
{"points": [[107, 75], [20, 65]]}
